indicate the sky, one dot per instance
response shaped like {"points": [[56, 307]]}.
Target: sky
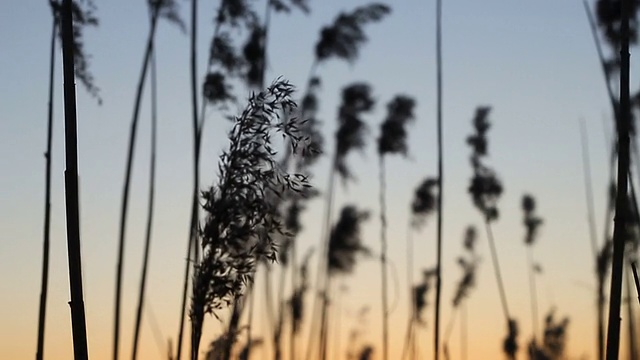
{"points": [[533, 62]]}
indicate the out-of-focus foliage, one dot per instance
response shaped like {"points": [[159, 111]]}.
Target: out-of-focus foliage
{"points": [[393, 132], [345, 242], [356, 100], [343, 38], [485, 187], [469, 265], [424, 201]]}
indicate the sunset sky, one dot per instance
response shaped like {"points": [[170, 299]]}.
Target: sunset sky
{"points": [[533, 62]]}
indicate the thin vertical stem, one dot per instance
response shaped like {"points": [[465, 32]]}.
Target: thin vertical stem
{"points": [[294, 287], [496, 269], [47, 198], [383, 260], [252, 301], [449, 329], [533, 293], [586, 166], [325, 319], [78, 321], [192, 247], [268, 300], [407, 340], [337, 333], [196, 127], [463, 331], [409, 261], [436, 347], [185, 287], [323, 261], [152, 177], [277, 338], [127, 181], [621, 218], [603, 63], [635, 278], [631, 326]]}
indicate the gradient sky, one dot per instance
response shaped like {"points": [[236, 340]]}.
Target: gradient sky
{"points": [[534, 62]]}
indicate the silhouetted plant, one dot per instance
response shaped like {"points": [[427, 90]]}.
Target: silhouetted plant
{"points": [[419, 303], [244, 354], [436, 343], [420, 292], [78, 321], [84, 16], [241, 223], [510, 345], [624, 130], [422, 205], [610, 20], [350, 135], [224, 61], [296, 303], [356, 100], [293, 206], [485, 187], [485, 190], [157, 8], [345, 242], [255, 59], [217, 347], [44, 285], [152, 179], [554, 340], [392, 140], [357, 332], [366, 353], [531, 222], [343, 38], [254, 50], [310, 129], [618, 22], [469, 266], [424, 201]]}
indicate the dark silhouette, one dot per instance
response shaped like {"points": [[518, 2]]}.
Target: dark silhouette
{"points": [[215, 91], [531, 223], [241, 223], [152, 180], [47, 197], [592, 229], [356, 100], [554, 340], [485, 190], [82, 14], [392, 140], [157, 8], [623, 135], [436, 342], [469, 265], [345, 243], [78, 322]]}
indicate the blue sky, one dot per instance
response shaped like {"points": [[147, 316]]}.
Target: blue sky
{"points": [[533, 62]]}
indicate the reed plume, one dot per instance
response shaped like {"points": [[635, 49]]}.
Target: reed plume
{"points": [[241, 222], [392, 140], [485, 190]]}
